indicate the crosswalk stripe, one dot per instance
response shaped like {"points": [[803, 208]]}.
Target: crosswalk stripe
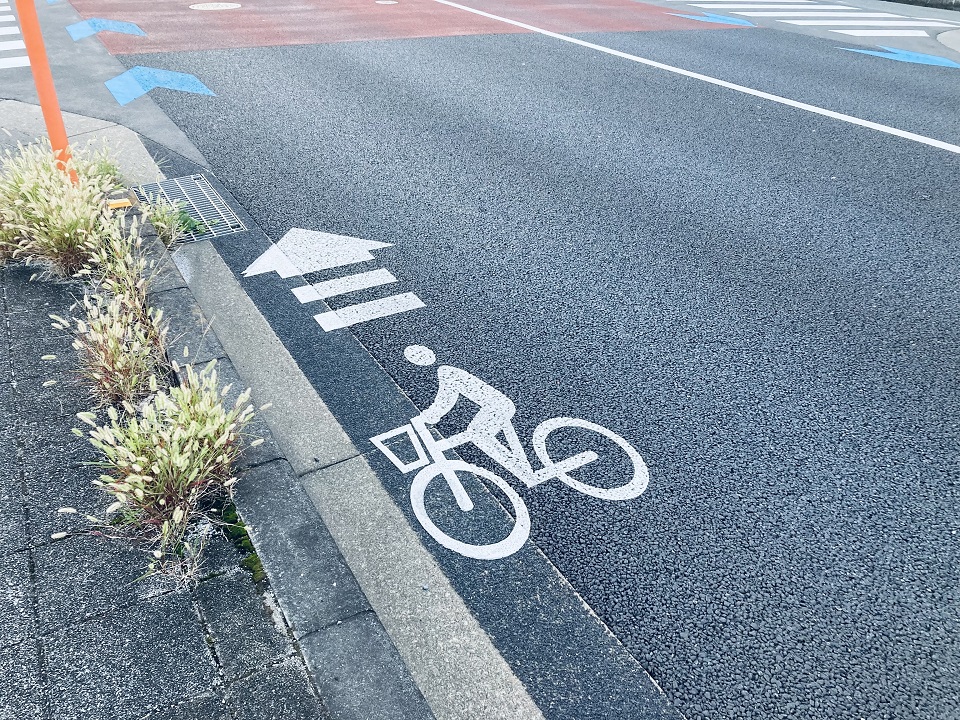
{"points": [[12, 62], [902, 23], [7, 18], [753, 6], [12, 45], [9, 31], [836, 13], [884, 33]]}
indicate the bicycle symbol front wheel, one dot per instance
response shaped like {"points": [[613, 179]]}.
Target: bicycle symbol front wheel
{"points": [[633, 488], [509, 545]]}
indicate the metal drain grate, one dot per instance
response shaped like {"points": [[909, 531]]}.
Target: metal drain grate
{"points": [[199, 200]]}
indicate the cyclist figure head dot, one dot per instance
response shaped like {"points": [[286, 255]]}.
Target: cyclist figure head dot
{"points": [[420, 355]]}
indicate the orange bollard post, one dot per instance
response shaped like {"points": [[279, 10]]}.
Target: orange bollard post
{"points": [[43, 80]]}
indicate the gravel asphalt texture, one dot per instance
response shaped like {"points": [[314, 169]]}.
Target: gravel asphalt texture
{"points": [[763, 301]]}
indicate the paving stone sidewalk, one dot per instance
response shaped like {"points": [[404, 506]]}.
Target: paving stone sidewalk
{"points": [[82, 636]]}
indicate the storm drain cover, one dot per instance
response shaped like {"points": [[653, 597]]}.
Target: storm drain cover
{"points": [[196, 196]]}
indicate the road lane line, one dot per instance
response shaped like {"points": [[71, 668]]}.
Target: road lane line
{"points": [[340, 286], [932, 142]]}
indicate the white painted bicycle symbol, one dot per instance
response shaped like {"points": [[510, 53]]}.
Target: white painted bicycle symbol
{"points": [[494, 418]]}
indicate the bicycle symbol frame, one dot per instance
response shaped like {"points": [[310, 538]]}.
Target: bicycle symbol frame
{"points": [[431, 462]]}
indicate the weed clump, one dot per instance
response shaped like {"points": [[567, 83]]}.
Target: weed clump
{"points": [[47, 218], [171, 221], [169, 464]]}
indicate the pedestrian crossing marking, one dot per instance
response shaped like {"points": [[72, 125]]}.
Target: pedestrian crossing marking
{"points": [[842, 19], [11, 56], [884, 33], [12, 62]]}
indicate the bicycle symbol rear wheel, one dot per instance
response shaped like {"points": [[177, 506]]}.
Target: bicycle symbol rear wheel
{"points": [[509, 545], [633, 488]]}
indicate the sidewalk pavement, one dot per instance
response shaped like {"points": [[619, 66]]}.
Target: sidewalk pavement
{"points": [[83, 636]]}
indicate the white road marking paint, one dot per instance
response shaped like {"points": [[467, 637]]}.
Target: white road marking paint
{"points": [[304, 251], [884, 33], [493, 420], [932, 142], [13, 62], [364, 312], [386, 2], [830, 14], [7, 18], [753, 6], [12, 45], [339, 286], [889, 23], [215, 6], [9, 31]]}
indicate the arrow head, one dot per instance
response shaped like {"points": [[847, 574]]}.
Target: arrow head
{"points": [[272, 259], [304, 251]]}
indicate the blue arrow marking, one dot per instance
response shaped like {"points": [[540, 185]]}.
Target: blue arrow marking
{"points": [[81, 30], [140, 80], [719, 19], [907, 56]]}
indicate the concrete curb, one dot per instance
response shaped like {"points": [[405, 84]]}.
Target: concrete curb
{"points": [[941, 4], [353, 663]]}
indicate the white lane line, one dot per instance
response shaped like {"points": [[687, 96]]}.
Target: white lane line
{"points": [[362, 312], [12, 45], [9, 31], [835, 13], [884, 33], [888, 23], [12, 62], [339, 286], [752, 6], [949, 147]]}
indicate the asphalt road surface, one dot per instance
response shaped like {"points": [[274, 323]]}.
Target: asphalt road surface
{"points": [[761, 297]]}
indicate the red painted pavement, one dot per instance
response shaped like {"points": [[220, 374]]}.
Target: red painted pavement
{"points": [[172, 26]]}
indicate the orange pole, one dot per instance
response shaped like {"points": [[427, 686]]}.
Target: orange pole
{"points": [[43, 79]]}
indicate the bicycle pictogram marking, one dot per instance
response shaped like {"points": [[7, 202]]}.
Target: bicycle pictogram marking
{"points": [[493, 419]]}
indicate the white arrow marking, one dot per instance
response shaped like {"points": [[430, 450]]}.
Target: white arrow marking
{"points": [[362, 312], [304, 251], [339, 286]]}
